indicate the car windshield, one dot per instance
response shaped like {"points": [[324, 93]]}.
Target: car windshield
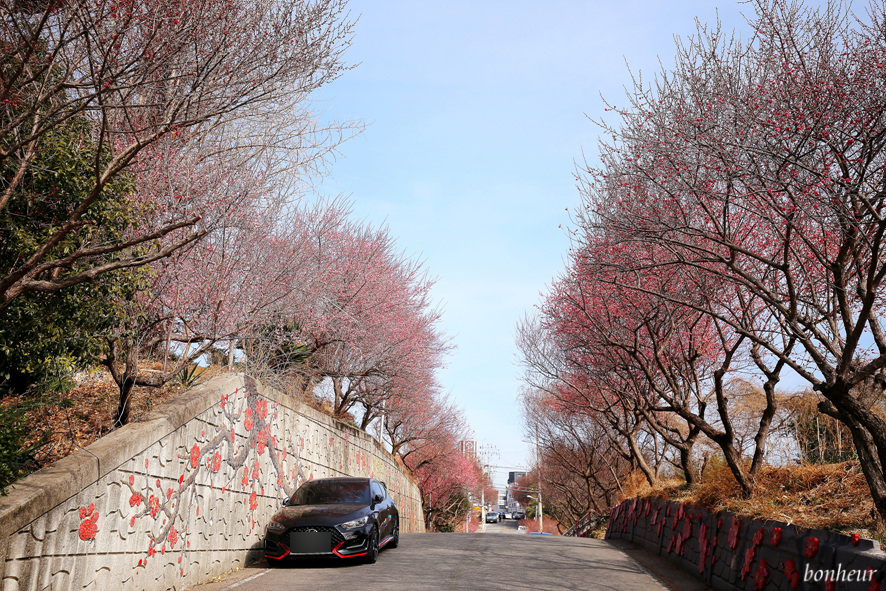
{"points": [[328, 492]]}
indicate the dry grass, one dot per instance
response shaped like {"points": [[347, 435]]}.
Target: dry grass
{"points": [[826, 496], [84, 414]]}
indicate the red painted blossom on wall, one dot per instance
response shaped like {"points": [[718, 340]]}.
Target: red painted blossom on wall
{"points": [[734, 531], [761, 576], [89, 526], [811, 548]]}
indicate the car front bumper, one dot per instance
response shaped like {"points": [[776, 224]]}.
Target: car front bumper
{"points": [[342, 544]]}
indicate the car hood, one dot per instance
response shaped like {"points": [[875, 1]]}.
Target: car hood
{"points": [[319, 514]]}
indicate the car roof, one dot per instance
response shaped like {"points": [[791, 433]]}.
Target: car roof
{"points": [[341, 479]]}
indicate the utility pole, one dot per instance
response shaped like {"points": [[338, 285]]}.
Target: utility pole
{"points": [[541, 516]]}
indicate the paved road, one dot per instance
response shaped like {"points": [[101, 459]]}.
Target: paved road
{"points": [[507, 526], [462, 562]]}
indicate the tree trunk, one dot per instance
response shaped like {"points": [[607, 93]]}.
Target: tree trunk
{"points": [[121, 416], [641, 461], [868, 437], [686, 464], [733, 460]]}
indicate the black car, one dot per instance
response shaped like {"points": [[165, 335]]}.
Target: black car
{"points": [[334, 517]]}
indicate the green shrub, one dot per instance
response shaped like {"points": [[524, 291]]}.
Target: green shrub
{"points": [[16, 459]]}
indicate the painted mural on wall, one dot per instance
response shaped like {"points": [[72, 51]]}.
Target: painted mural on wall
{"points": [[737, 553], [195, 503]]}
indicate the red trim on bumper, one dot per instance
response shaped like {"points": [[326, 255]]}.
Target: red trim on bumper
{"points": [[281, 557], [340, 555]]}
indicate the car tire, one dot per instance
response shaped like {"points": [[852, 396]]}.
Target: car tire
{"points": [[395, 539], [372, 553]]}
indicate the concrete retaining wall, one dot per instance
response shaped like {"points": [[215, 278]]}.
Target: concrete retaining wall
{"points": [[182, 497], [731, 553]]}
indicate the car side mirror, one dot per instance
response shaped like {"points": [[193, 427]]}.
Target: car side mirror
{"points": [[377, 499], [287, 501]]}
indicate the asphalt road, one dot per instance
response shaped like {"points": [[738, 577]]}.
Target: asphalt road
{"points": [[461, 562], [508, 526]]}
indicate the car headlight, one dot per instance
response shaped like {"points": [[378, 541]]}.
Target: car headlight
{"points": [[355, 523], [276, 526]]}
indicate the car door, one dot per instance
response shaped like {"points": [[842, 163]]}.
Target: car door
{"points": [[395, 513], [385, 524], [390, 508]]}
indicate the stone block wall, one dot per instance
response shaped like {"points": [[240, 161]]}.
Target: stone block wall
{"points": [[183, 496], [732, 553]]}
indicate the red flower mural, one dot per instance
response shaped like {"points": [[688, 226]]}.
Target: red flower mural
{"points": [[811, 548], [791, 574], [749, 555], [734, 531], [761, 576], [89, 526], [703, 547], [261, 441], [874, 586], [215, 451], [172, 536], [195, 456], [261, 407], [775, 538], [154, 506]]}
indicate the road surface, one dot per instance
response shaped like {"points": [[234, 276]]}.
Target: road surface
{"points": [[508, 526], [461, 562]]}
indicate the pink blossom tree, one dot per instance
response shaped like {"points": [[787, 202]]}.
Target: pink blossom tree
{"points": [[233, 77], [365, 315], [583, 463], [759, 165], [446, 478]]}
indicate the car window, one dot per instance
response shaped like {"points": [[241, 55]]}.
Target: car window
{"points": [[377, 490], [320, 492]]}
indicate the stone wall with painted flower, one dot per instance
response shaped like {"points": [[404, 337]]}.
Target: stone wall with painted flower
{"points": [[732, 553], [184, 496]]}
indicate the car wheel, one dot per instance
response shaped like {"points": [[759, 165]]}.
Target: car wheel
{"points": [[395, 539], [372, 554]]}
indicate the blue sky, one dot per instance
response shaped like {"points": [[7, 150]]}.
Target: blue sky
{"points": [[476, 112]]}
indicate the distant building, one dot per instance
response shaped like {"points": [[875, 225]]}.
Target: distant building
{"points": [[513, 476], [510, 502]]}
